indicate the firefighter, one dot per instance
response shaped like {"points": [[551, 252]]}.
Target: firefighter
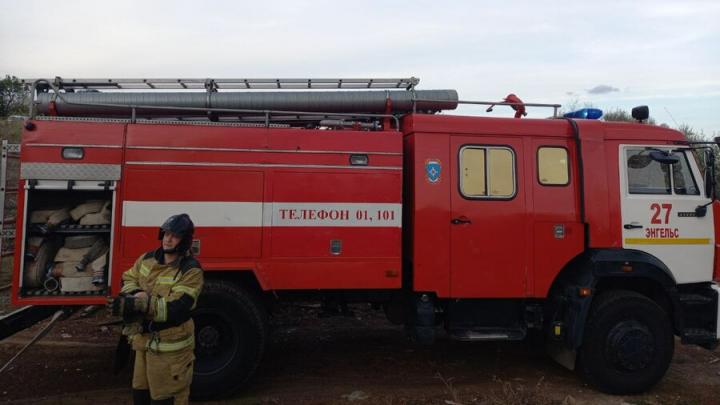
{"points": [[158, 293]]}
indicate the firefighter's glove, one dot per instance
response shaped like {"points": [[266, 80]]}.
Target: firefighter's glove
{"points": [[130, 307]]}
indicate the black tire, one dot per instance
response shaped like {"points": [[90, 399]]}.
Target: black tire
{"points": [[628, 343], [230, 336]]}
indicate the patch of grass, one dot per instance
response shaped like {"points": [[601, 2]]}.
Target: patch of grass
{"points": [[507, 393], [448, 383], [518, 394]]}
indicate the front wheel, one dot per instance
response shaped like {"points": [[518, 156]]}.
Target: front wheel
{"points": [[230, 337], [628, 343]]}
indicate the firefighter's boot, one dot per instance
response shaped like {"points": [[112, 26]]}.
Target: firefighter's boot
{"points": [[141, 397]]}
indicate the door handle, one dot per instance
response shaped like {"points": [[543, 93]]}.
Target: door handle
{"points": [[460, 220], [632, 226]]}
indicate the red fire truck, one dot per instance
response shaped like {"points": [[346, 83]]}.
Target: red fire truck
{"points": [[597, 236]]}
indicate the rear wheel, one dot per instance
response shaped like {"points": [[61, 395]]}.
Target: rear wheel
{"points": [[628, 343], [230, 337]]}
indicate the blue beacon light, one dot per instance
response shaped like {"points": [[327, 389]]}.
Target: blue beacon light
{"points": [[585, 113]]}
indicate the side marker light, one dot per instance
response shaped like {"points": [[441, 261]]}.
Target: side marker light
{"points": [[73, 153], [359, 160]]}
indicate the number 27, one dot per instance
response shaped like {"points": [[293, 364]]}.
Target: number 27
{"points": [[656, 208]]}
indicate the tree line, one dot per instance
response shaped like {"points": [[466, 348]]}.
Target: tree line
{"points": [[13, 101], [13, 97]]}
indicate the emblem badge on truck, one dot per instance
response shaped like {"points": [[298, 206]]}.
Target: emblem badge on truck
{"points": [[432, 170]]}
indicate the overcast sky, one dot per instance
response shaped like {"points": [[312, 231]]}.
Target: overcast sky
{"points": [[611, 54]]}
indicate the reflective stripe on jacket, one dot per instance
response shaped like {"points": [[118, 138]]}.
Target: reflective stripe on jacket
{"points": [[173, 290]]}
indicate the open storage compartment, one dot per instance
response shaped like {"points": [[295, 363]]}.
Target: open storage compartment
{"points": [[67, 240]]}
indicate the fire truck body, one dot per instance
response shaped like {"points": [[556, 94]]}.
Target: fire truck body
{"points": [[274, 202], [597, 235]]}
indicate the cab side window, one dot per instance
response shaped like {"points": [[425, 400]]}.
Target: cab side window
{"points": [[648, 176], [553, 167], [683, 180], [487, 172]]}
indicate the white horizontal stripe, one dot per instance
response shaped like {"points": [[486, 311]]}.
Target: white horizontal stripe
{"points": [[264, 150], [226, 214], [255, 214], [333, 214], [214, 164]]}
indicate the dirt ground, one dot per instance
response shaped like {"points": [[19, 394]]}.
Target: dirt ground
{"points": [[360, 359]]}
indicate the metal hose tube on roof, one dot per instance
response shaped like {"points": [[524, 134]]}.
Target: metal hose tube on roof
{"points": [[177, 104]]}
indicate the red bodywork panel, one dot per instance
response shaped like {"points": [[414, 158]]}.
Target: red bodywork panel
{"points": [[287, 204], [271, 201], [509, 249]]}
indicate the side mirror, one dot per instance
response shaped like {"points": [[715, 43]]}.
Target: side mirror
{"points": [[663, 157], [710, 174], [640, 113]]}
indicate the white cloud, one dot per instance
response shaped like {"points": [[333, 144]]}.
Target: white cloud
{"points": [[602, 89]]}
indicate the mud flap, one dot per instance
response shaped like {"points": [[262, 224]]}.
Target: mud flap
{"points": [[561, 354]]}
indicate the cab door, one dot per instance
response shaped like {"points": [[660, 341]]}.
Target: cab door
{"points": [[658, 203], [487, 226]]}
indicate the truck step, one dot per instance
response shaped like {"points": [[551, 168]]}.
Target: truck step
{"points": [[488, 334], [697, 336], [695, 299]]}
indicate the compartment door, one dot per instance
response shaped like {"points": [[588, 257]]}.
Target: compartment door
{"points": [[487, 227]]}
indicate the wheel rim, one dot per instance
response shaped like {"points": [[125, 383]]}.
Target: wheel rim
{"points": [[630, 346], [216, 342]]}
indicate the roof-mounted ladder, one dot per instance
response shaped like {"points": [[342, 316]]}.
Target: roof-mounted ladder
{"points": [[226, 84]]}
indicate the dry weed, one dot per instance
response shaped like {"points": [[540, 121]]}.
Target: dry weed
{"points": [[518, 394]]}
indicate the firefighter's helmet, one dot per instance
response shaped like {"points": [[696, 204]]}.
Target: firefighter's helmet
{"points": [[181, 225]]}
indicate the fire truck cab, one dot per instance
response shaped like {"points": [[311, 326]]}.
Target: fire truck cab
{"points": [[521, 223], [596, 237]]}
